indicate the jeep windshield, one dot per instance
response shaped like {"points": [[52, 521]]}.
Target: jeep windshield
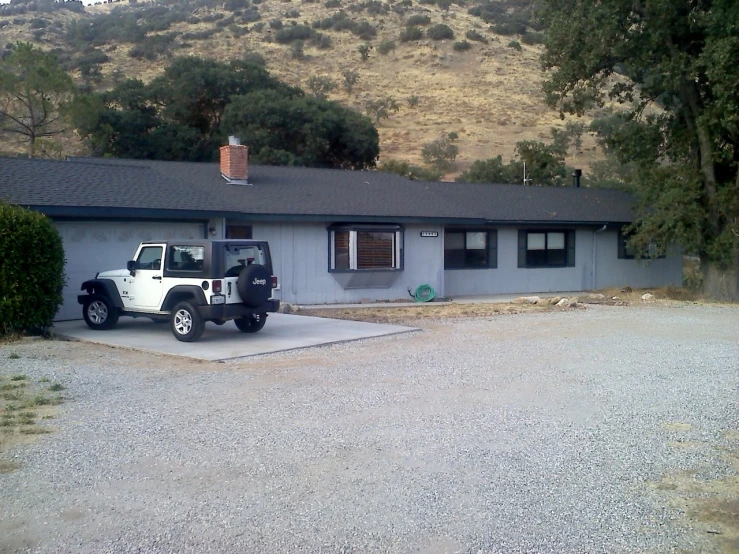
{"points": [[238, 256]]}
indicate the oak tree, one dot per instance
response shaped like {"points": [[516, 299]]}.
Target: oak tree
{"points": [[672, 65]]}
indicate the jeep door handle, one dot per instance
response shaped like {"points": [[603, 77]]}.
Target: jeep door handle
{"points": [[157, 277]]}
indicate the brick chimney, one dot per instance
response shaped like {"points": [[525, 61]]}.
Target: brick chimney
{"points": [[234, 158]]}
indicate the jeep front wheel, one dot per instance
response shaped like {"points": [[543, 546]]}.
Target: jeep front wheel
{"points": [[251, 323], [186, 323], [99, 313]]}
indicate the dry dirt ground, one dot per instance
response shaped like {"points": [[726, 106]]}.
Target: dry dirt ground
{"points": [[489, 95], [411, 315], [705, 504]]}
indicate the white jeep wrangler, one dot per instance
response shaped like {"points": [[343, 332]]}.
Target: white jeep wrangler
{"points": [[186, 282]]}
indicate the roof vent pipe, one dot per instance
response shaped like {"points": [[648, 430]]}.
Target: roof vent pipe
{"points": [[576, 178]]}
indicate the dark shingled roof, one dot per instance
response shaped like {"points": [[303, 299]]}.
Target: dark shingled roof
{"points": [[137, 188]]}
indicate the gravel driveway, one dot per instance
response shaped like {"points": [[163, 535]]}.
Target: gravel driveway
{"points": [[552, 432]]}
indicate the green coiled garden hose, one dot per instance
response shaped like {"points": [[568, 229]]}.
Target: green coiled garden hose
{"points": [[424, 293]]}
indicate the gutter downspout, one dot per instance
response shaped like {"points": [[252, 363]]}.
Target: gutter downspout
{"points": [[595, 249], [442, 280]]}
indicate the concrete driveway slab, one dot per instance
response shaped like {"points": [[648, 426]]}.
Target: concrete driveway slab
{"points": [[226, 342]]}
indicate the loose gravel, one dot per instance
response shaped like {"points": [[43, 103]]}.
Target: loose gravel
{"points": [[525, 433]]}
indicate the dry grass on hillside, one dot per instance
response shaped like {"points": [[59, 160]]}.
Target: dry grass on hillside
{"points": [[490, 95]]}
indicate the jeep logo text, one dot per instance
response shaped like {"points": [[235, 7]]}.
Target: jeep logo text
{"points": [[259, 281]]}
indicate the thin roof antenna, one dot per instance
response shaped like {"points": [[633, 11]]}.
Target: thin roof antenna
{"points": [[526, 180]]}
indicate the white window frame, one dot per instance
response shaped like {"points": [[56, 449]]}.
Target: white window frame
{"points": [[353, 262]]}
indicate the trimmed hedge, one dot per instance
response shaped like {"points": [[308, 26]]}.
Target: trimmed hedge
{"points": [[32, 270]]}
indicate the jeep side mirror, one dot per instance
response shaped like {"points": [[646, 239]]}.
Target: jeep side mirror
{"points": [[131, 267]]}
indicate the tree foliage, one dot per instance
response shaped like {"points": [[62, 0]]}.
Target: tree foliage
{"points": [[672, 63], [187, 113], [544, 165], [441, 153], [412, 172], [34, 89], [302, 130]]}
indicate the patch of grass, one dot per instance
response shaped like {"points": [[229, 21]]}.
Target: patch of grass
{"points": [[35, 430], [6, 466], [14, 394], [12, 386], [40, 400], [23, 403]]}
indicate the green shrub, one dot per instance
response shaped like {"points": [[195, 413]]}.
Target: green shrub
{"points": [[462, 45], [530, 37], [332, 4], [32, 270], [385, 47], [322, 42], [418, 20], [410, 33], [297, 32], [515, 45], [440, 32], [474, 35]]}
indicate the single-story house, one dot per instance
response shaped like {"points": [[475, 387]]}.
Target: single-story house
{"points": [[339, 236]]}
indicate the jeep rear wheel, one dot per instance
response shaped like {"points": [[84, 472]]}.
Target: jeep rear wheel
{"points": [[251, 323], [99, 313], [186, 323]]}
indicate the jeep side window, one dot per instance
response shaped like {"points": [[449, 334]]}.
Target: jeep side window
{"points": [[150, 257], [185, 258]]}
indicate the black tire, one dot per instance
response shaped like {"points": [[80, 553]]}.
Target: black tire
{"points": [[254, 285], [251, 323], [186, 323], [99, 313]]}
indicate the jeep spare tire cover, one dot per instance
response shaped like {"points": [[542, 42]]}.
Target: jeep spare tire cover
{"points": [[255, 285]]}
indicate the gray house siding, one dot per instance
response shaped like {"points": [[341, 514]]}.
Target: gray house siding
{"points": [[509, 278], [614, 272], [610, 271], [300, 253]]}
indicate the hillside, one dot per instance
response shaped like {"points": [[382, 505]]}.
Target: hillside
{"points": [[489, 94]]}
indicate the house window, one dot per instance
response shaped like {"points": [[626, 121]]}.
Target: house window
{"points": [[628, 252], [470, 248], [546, 248], [238, 231], [358, 248]]}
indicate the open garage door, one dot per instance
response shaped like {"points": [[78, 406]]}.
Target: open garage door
{"points": [[93, 246]]}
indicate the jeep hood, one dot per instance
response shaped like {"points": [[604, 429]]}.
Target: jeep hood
{"points": [[114, 273]]}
